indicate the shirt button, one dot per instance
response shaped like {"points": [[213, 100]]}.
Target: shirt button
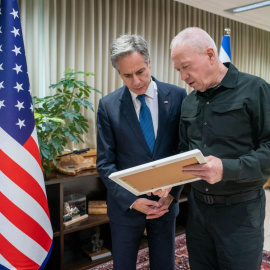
{"points": [[207, 102], [206, 189], [205, 123], [204, 145]]}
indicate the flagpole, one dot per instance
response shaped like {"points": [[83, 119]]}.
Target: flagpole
{"points": [[225, 48], [227, 32]]}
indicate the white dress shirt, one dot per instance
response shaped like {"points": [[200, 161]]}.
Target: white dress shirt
{"points": [[151, 100]]}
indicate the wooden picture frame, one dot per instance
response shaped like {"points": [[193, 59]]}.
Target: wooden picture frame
{"points": [[162, 173]]}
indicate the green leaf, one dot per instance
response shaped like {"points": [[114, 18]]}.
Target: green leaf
{"points": [[58, 117]]}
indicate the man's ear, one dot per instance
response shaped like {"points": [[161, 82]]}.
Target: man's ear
{"points": [[149, 63], [211, 53]]}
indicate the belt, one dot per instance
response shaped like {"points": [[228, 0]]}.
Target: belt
{"points": [[228, 199]]}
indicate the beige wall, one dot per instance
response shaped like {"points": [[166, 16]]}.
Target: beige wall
{"points": [[62, 34]]}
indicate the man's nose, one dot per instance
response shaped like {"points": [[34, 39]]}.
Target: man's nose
{"points": [[184, 75], [136, 80]]}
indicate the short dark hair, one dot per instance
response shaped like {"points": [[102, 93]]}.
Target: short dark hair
{"points": [[127, 44]]}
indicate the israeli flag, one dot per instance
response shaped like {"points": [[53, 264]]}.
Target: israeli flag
{"points": [[225, 49]]}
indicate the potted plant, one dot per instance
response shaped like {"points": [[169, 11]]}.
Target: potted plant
{"points": [[59, 118]]}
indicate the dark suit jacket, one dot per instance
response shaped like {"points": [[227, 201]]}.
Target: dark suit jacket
{"points": [[121, 145]]}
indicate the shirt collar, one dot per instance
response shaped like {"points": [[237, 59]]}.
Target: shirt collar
{"points": [[228, 82], [150, 91], [230, 79]]}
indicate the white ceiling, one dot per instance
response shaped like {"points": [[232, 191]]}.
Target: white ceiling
{"points": [[259, 18]]}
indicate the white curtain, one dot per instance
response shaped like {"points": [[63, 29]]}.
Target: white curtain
{"points": [[61, 34]]}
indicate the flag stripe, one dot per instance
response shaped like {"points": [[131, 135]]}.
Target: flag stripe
{"points": [[16, 215], [25, 202], [24, 180], [11, 147], [9, 252], [226, 45], [4, 263], [223, 56], [225, 49], [32, 148], [46, 259]]}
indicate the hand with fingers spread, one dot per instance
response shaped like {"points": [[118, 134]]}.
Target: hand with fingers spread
{"points": [[211, 172]]}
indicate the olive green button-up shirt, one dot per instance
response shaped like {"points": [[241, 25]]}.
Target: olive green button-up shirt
{"points": [[231, 122]]}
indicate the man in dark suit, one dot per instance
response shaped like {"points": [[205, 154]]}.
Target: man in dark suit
{"points": [[122, 143]]}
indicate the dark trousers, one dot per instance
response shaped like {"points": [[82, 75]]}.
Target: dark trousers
{"points": [[161, 241], [225, 237]]}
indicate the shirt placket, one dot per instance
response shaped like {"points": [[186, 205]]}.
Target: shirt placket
{"points": [[205, 129], [205, 134]]}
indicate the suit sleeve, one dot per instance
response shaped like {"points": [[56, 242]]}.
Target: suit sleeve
{"points": [[176, 191], [107, 159]]}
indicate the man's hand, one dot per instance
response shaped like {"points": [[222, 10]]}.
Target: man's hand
{"points": [[211, 172], [145, 206], [157, 212], [161, 192]]}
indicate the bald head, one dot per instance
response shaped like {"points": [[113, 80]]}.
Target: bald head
{"points": [[194, 55], [195, 38]]}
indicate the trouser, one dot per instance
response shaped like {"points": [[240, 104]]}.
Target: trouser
{"points": [[225, 237], [161, 242]]}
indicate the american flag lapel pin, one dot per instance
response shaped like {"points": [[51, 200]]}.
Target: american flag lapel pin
{"points": [[166, 101]]}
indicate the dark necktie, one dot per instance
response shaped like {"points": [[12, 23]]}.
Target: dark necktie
{"points": [[147, 123]]}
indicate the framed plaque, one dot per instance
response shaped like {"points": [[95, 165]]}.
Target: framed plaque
{"points": [[162, 173]]}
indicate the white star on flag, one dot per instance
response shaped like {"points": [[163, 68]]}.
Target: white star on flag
{"points": [[1, 48], [18, 68], [2, 104], [18, 87], [15, 14], [15, 32], [1, 66], [16, 50], [2, 84], [21, 123], [19, 105]]}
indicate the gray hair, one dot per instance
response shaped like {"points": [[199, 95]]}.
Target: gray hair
{"points": [[196, 37], [127, 44]]}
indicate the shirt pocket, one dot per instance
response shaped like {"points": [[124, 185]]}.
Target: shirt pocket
{"points": [[230, 120], [191, 121]]}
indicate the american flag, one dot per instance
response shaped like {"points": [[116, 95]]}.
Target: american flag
{"points": [[25, 227]]}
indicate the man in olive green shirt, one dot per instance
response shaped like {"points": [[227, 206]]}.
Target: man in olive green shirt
{"points": [[227, 117]]}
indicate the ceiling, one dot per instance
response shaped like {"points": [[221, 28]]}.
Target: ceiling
{"points": [[259, 17]]}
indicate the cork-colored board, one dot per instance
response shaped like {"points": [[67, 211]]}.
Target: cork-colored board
{"points": [[158, 174]]}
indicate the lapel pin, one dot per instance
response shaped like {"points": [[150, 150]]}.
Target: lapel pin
{"points": [[166, 101]]}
